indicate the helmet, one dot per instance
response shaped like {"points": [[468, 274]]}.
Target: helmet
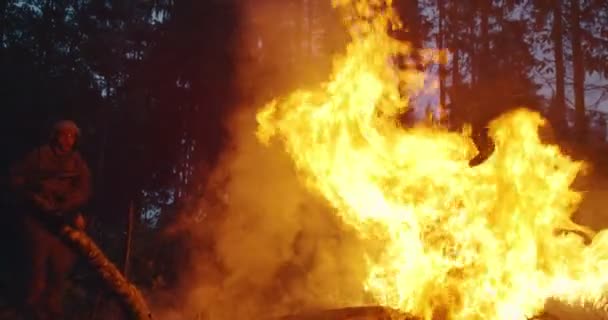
{"points": [[67, 125]]}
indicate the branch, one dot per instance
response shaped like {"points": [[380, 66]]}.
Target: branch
{"points": [[128, 294], [599, 100], [592, 86]]}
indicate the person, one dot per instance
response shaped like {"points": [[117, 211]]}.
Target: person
{"points": [[51, 183]]}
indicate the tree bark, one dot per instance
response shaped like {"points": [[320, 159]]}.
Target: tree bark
{"points": [[440, 44], [484, 38], [578, 65], [559, 103], [130, 297], [472, 51], [130, 222], [453, 40]]}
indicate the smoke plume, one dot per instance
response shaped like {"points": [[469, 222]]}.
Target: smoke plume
{"points": [[261, 244]]}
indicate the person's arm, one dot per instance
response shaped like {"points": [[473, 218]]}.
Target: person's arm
{"points": [[81, 189], [21, 174], [24, 180]]}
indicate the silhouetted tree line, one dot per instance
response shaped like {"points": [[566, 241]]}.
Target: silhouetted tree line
{"points": [[548, 55], [149, 82]]}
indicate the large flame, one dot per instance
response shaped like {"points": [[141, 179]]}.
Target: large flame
{"points": [[444, 238]]}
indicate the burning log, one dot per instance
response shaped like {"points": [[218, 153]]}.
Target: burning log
{"points": [[373, 313], [360, 313], [130, 297]]}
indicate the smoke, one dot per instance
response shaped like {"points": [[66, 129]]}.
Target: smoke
{"points": [[279, 249], [261, 245], [286, 45]]}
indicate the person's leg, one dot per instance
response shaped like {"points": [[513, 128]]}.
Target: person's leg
{"points": [[37, 253], [62, 261]]}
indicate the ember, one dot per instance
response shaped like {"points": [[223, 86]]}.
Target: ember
{"points": [[442, 237]]}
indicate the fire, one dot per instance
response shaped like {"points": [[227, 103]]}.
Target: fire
{"points": [[443, 238]]}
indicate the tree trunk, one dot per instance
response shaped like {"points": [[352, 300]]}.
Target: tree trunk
{"points": [[440, 45], [484, 39], [44, 34], [409, 12], [309, 28], [3, 6], [456, 77], [129, 240], [455, 41], [580, 121], [472, 52], [415, 23], [454, 117], [559, 114], [129, 295]]}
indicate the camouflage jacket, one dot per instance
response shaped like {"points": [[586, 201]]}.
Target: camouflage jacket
{"points": [[61, 179]]}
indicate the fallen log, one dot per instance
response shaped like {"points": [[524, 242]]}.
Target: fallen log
{"points": [[372, 313], [129, 296], [352, 313]]}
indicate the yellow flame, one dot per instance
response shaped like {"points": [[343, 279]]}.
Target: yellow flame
{"points": [[443, 237]]}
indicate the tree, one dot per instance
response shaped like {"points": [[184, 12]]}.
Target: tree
{"points": [[547, 31], [440, 45], [149, 82], [559, 102], [578, 65]]}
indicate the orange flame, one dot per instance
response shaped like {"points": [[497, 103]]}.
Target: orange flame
{"points": [[469, 242]]}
